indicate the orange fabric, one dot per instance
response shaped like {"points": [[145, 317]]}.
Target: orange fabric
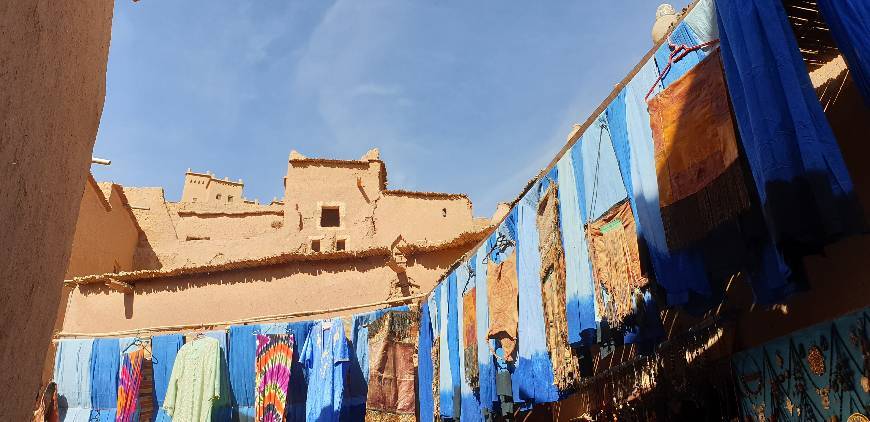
{"points": [[566, 367], [392, 368], [700, 180], [613, 251], [502, 290], [469, 337]]}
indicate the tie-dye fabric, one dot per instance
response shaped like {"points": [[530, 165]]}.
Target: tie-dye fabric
{"points": [[129, 381], [274, 357]]}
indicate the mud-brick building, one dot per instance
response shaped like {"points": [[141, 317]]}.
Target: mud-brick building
{"points": [[339, 239]]}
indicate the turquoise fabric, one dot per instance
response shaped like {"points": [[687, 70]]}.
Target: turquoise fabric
{"points": [[325, 357], [579, 286], [72, 374]]}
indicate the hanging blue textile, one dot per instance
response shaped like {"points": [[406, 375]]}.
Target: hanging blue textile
{"points": [[648, 330], [603, 185], [72, 374], [682, 273], [450, 296], [105, 363], [487, 392], [534, 372], [243, 351], [298, 388], [702, 21], [163, 351], [445, 375], [470, 407], [849, 21], [579, 286], [682, 35], [356, 383], [424, 367], [806, 194], [222, 410]]}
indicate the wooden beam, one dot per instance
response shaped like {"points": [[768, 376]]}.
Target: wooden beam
{"points": [[119, 286]]}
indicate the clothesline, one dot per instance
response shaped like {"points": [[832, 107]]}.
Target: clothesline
{"points": [[242, 321]]}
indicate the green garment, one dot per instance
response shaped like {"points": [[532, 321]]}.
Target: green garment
{"points": [[195, 382]]}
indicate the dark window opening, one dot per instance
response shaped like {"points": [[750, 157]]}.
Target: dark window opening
{"points": [[229, 198], [329, 217], [339, 245], [444, 212], [218, 196], [315, 246]]}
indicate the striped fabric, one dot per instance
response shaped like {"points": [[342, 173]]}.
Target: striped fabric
{"points": [[272, 366], [129, 381]]}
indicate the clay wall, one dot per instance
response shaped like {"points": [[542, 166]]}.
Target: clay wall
{"points": [[53, 75], [418, 218], [106, 234], [268, 290]]}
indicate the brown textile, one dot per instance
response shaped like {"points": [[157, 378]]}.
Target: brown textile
{"points": [[701, 184], [566, 368], [615, 261], [392, 367], [469, 337], [502, 290], [436, 365], [146, 388]]}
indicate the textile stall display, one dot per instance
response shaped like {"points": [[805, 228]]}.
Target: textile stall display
{"points": [[819, 373], [665, 195]]}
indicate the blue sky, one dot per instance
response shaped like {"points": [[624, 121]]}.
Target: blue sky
{"points": [[473, 97]]}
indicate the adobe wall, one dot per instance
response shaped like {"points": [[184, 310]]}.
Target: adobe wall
{"points": [[228, 295], [53, 76], [103, 236], [225, 221], [420, 219]]}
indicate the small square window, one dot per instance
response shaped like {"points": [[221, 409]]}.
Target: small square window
{"points": [[218, 196], [330, 217], [340, 245], [194, 199], [315, 245], [229, 198]]}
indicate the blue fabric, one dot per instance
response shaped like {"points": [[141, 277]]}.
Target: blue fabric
{"points": [[534, 371], [487, 392], [243, 353], [356, 384], [72, 374], [702, 21], [105, 363], [603, 185], [163, 351], [682, 273], [465, 281], [579, 287], [445, 374], [849, 21], [298, 388], [325, 357], [453, 311], [222, 410], [682, 35], [802, 181], [425, 401], [648, 330]]}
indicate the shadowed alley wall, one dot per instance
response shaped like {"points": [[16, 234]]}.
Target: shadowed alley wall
{"points": [[53, 74]]}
